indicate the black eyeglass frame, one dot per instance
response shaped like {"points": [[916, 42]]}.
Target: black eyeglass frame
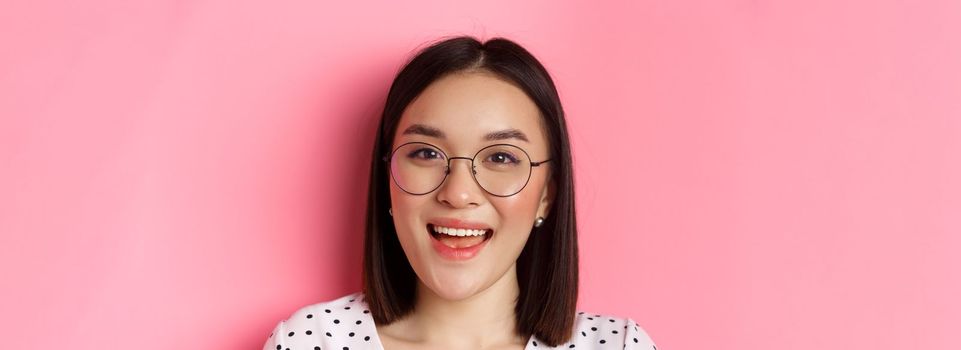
{"points": [[473, 168]]}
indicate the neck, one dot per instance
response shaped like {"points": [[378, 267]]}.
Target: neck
{"points": [[479, 321]]}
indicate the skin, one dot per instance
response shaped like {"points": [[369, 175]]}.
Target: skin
{"points": [[468, 304]]}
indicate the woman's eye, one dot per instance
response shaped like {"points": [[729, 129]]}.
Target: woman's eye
{"points": [[503, 158], [424, 153]]}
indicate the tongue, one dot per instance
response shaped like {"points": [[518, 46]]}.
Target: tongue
{"points": [[460, 242]]}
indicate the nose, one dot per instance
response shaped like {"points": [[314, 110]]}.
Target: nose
{"points": [[459, 189]]}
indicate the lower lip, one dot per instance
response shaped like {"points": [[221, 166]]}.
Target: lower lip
{"points": [[457, 253]]}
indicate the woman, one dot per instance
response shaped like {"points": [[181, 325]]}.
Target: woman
{"points": [[471, 239]]}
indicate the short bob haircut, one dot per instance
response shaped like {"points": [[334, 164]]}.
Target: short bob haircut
{"points": [[547, 266]]}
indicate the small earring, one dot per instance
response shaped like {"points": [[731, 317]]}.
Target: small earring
{"points": [[390, 211], [539, 221]]}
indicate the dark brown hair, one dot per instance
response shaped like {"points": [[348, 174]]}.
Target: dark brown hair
{"points": [[547, 266]]}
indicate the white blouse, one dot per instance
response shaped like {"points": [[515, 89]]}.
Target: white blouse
{"points": [[345, 323]]}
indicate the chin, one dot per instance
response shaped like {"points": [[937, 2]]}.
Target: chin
{"points": [[456, 285]]}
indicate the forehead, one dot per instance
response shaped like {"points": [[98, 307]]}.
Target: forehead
{"points": [[466, 108]]}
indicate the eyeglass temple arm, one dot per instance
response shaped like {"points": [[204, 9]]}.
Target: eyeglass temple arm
{"points": [[539, 163]]}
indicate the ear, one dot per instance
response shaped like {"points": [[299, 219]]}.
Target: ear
{"points": [[547, 198]]}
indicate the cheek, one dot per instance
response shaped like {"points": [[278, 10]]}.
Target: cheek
{"points": [[518, 210], [409, 217], [405, 210]]}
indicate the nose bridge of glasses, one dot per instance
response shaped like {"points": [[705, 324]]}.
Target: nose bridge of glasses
{"points": [[471, 178], [470, 164]]}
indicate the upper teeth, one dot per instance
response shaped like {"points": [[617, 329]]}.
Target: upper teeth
{"points": [[458, 231]]}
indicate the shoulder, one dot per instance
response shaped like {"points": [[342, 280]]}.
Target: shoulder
{"points": [[345, 320], [599, 331]]}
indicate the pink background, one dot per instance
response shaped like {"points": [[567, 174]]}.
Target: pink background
{"points": [[750, 174]]}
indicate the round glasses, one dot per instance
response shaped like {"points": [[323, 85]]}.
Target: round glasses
{"points": [[501, 170]]}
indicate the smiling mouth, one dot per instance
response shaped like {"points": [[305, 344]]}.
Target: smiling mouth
{"points": [[460, 238]]}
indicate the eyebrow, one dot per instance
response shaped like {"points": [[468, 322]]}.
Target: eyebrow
{"points": [[429, 131]]}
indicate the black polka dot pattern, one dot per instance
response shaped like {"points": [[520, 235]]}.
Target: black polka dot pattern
{"points": [[346, 323], [594, 331]]}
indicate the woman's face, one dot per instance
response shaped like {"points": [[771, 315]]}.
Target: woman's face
{"points": [[457, 113]]}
